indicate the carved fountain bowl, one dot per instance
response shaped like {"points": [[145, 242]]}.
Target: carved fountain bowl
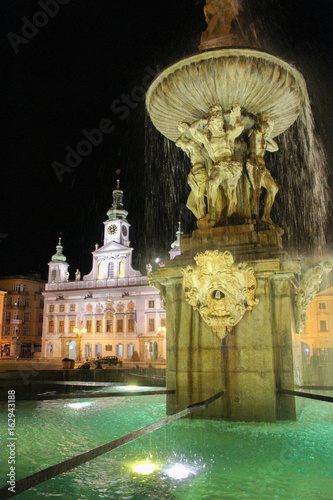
{"points": [[257, 81]]}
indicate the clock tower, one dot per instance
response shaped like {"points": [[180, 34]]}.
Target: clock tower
{"points": [[116, 227]]}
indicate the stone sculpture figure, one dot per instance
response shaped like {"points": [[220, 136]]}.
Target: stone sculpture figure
{"points": [[219, 15], [219, 141], [259, 143], [197, 178], [221, 291]]}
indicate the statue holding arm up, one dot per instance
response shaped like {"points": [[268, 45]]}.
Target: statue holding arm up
{"points": [[260, 142]]}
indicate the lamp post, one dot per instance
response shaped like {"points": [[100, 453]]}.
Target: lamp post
{"points": [[79, 332]]}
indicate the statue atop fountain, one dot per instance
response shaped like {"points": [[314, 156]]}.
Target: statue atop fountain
{"points": [[219, 15]]}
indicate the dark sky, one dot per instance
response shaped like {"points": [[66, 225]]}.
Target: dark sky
{"points": [[71, 74]]}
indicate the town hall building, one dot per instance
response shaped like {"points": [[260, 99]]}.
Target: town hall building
{"points": [[112, 311]]}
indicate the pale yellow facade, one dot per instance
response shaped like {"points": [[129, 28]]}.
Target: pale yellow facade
{"points": [[317, 333], [21, 329]]}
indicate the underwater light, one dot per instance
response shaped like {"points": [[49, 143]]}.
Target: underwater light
{"points": [[144, 467], [179, 471], [79, 405]]}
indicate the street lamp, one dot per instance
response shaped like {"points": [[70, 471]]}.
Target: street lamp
{"points": [[79, 332]]}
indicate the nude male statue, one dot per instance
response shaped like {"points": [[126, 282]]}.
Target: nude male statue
{"points": [[259, 142], [219, 144], [197, 178]]}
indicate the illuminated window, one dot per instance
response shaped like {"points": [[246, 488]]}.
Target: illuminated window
{"points": [[120, 325], [130, 350], [151, 324], [109, 325], [322, 305], [16, 330], [51, 326], [88, 326], [61, 326], [98, 350], [122, 269], [131, 325], [99, 272], [18, 288], [53, 276], [323, 326], [111, 270], [98, 325]]}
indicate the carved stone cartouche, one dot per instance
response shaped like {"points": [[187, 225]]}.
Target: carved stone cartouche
{"points": [[221, 291], [307, 289]]}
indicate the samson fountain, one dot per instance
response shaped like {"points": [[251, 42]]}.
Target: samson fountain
{"points": [[234, 299]]}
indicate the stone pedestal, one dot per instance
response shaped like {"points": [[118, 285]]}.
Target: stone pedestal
{"points": [[255, 359]]}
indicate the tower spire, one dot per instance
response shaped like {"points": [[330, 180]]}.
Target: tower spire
{"points": [[117, 210], [59, 256]]}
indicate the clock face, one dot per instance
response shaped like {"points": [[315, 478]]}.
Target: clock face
{"points": [[112, 229], [124, 230]]}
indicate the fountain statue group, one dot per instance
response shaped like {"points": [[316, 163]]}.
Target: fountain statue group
{"points": [[228, 166]]}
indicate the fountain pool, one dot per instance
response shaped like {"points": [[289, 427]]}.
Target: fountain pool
{"points": [[193, 459]]}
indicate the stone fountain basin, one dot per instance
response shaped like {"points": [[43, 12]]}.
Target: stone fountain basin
{"points": [[259, 82]]}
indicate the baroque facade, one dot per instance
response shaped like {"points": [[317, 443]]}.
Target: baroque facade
{"points": [[112, 311], [21, 333]]}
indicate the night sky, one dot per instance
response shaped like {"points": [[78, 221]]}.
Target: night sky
{"points": [[72, 74]]}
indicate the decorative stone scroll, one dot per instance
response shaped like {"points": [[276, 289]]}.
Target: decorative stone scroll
{"points": [[307, 289], [221, 291]]}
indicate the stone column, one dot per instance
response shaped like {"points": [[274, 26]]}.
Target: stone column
{"points": [[283, 328]]}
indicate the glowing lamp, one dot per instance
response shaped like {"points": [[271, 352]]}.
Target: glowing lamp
{"points": [[144, 467]]}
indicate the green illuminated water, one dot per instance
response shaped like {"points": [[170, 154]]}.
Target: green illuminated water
{"points": [[290, 460]]}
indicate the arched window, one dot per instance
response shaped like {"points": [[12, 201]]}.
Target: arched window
{"points": [[121, 269], [99, 272], [111, 270], [54, 275]]}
